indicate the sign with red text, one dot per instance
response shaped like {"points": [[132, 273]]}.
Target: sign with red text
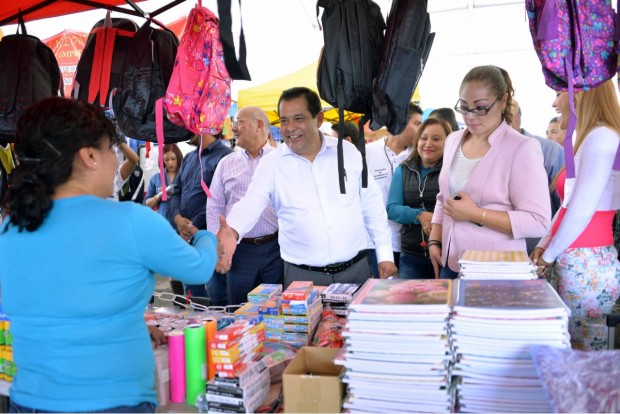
{"points": [[67, 47]]}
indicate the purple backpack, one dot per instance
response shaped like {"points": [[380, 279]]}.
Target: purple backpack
{"points": [[576, 42]]}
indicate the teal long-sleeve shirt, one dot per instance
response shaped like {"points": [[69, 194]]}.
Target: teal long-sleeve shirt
{"points": [[396, 209], [75, 291]]}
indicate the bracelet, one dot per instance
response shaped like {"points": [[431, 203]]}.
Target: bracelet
{"points": [[482, 218], [433, 243]]}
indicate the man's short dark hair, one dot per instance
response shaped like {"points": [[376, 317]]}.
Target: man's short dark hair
{"points": [[351, 130], [413, 109], [447, 114], [313, 101]]}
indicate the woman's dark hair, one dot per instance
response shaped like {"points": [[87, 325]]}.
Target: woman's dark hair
{"points": [[499, 83], [177, 151], [48, 136], [447, 114], [312, 98], [415, 155]]}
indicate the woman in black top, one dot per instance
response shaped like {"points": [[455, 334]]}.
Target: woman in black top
{"points": [[412, 197]]}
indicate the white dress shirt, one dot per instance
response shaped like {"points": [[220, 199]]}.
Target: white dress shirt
{"points": [[318, 225], [230, 182], [382, 162]]}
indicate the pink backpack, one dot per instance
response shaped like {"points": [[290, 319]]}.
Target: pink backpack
{"points": [[198, 95]]}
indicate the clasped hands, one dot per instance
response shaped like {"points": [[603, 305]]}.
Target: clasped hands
{"points": [[543, 268]]}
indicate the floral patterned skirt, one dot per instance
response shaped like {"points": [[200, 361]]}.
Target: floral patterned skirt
{"points": [[588, 281]]}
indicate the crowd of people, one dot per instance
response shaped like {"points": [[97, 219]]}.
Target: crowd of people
{"points": [[276, 215]]}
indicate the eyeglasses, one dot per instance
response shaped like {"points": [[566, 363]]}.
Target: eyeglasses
{"points": [[478, 111], [237, 123]]}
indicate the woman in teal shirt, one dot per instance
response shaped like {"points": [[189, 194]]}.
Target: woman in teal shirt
{"points": [[78, 269], [412, 196]]}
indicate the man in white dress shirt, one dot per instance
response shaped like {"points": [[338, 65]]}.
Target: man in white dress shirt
{"points": [[257, 259], [387, 153], [322, 232]]}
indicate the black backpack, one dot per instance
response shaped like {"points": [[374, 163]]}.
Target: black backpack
{"points": [[148, 67], [133, 189], [101, 65], [406, 48], [353, 36], [29, 72]]}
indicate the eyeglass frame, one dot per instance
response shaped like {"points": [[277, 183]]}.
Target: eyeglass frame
{"points": [[465, 112], [235, 122]]}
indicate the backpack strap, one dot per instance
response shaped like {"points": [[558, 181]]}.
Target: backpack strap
{"points": [[202, 174], [361, 146], [549, 22], [159, 131], [95, 77], [237, 68], [342, 173]]}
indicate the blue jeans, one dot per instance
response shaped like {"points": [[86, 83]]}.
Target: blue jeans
{"points": [[447, 273], [374, 265], [251, 266], [413, 266], [145, 407], [215, 289]]}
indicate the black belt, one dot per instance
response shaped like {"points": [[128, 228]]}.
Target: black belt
{"points": [[335, 267], [260, 240]]}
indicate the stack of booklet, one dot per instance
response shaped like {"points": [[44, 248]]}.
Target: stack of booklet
{"points": [[397, 357], [493, 328], [493, 265]]}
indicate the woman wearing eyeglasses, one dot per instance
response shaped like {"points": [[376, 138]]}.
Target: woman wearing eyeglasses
{"points": [[493, 185], [79, 269], [580, 245]]}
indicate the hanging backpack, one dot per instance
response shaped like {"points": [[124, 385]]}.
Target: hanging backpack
{"points": [[101, 65], [29, 72], [198, 95], [576, 43], [407, 44], [353, 36], [148, 66]]}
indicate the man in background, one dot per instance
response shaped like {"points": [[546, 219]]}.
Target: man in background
{"points": [[257, 257], [383, 156], [188, 203], [322, 232]]}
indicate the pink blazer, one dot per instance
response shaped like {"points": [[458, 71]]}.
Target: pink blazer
{"points": [[510, 177]]}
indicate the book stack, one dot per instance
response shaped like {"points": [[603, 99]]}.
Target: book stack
{"points": [[337, 297], [493, 265], [243, 393], [494, 326], [301, 312], [269, 310], [263, 292], [235, 346], [397, 356]]}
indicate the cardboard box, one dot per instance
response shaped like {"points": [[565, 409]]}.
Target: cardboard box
{"points": [[312, 382]]}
